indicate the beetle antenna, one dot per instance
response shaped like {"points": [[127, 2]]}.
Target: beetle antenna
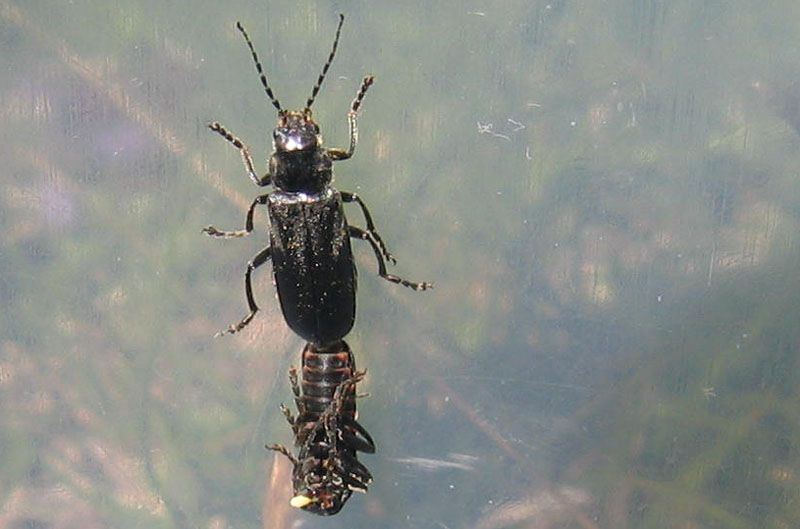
{"points": [[260, 70], [317, 86]]}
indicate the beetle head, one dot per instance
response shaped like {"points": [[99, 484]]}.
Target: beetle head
{"points": [[320, 490], [296, 131]]}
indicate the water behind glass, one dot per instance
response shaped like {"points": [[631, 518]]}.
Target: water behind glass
{"points": [[605, 194]]}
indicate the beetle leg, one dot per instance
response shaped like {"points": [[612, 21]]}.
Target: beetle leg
{"points": [[355, 469], [352, 121], [298, 399], [246, 158], [288, 414], [330, 418], [248, 224], [356, 437], [352, 197], [358, 233], [365, 84], [262, 257], [282, 449], [293, 381]]}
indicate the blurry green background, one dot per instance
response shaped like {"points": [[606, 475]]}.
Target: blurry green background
{"points": [[606, 195]]}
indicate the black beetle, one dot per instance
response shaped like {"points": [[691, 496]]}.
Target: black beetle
{"points": [[309, 235], [326, 469]]}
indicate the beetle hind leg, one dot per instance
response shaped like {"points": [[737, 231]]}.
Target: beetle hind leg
{"points": [[262, 257]]}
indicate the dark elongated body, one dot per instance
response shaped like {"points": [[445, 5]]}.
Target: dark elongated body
{"points": [[309, 235], [317, 296], [326, 469]]}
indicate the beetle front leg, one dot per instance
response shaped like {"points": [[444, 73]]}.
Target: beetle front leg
{"points": [[245, 152], [248, 224], [358, 233], [352, 121], [352, 197], [262, 257]]}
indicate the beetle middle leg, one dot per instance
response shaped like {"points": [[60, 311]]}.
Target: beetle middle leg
{"points": [[262, 257], [248, 224], [352, 197], [358, 233]]}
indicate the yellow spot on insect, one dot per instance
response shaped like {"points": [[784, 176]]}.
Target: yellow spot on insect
{"points": [[301, 501]]}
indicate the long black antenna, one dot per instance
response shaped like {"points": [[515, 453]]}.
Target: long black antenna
{"points": [[260, 70], [317, 86]]}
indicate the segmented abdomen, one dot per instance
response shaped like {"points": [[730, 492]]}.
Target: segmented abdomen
{"points": [[322, 371], [327, 434]]}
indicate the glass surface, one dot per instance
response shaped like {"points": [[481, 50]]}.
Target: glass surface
{"points": [[606, 195]]}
